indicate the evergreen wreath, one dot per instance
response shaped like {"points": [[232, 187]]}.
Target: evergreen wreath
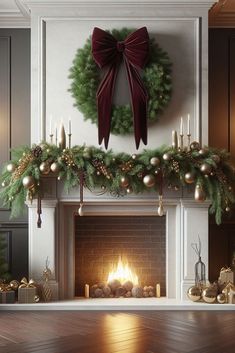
{"points": [[86, 76]]}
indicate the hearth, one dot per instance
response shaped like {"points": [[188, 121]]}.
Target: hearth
{"points": [[120, 256]]}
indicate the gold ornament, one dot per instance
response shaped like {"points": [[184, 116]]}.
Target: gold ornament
{"points": [[189, 178], [36, 298], [227, 209], [80, 210], [157, 171], [62, 137], [55, 167], [194, 146], [229, 287], [149, 180], [166, 156], [160, 210], [124, 181], [202, 151], [216, 158], [221, 299], [205, 168], [194, 293], [11, 167], [14, 284], [209, 295], [154, 161], [28, 182], [199, 194], [129, 190], [23, 164], [45, 168]]}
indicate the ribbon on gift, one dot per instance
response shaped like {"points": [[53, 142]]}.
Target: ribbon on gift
{"points": [[108, 52], [226, 269], [27, 284], [5, 287]]}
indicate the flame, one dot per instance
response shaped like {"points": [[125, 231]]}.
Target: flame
{"points": [[123, 273]]}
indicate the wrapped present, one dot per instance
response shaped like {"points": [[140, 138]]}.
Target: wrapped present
{"points": [[226, 275], [7, 295], [27, 292]]}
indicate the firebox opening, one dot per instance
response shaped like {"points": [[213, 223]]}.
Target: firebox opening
{"points": [[117, 251]]}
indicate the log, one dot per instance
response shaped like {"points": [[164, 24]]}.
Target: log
{"points": [[120, 292], [128, 285], [114, 284], [137, 292]]}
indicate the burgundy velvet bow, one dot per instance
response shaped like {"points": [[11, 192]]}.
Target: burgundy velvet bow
{"points": [[108, 52]]}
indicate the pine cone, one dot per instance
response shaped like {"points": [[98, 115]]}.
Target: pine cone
{"points": [[37, 151]]}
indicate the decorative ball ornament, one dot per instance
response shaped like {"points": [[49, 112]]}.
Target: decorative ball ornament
{"points": [[227, 209], [80, 210], [202, 151], [3, 184], [55, 167], [36, 298], [11, 167], [45, 168], [28, 182], [221, 298], [149, 180], [205, 169], [155, 161], [166, 156], [209, 295], [199, 194], [129, 190], [194, 293], [14, 284], [216, 158], [194, 146], [124, 181], [134, 156], [189, 178]]}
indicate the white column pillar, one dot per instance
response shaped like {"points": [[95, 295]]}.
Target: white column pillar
{"points": [[42, 242], [194, 222]]}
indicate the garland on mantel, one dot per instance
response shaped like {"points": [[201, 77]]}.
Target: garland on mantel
{"points": [[119, 174]]}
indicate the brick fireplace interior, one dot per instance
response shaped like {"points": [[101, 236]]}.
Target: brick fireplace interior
{"points": [[100, 241]]}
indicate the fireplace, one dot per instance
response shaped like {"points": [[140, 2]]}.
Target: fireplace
{"points": [[130, 247]]}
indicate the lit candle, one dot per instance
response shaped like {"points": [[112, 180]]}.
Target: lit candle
{"points": [[70, 127], [188, 132], [87, 294], [158, 290], [181, 127]]}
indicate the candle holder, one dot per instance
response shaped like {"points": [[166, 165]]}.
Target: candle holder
{"points": [[189, 141], [51, 138], [70, 135]]}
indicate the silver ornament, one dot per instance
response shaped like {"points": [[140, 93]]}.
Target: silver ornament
{"points": [[194, 146], [124, 181], [166, 156], [154, 161], [189, 178], [11, 167], [44, 168], [205, 168], [216, 158], [80, 210], [55, 167], [149, 180], [199, 194], [28, 182], [202, 151], [134, 156]]}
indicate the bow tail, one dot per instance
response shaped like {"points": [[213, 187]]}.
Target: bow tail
{"points": [[104, 104], [139, 98]]}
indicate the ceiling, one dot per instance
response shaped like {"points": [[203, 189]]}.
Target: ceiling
{"points": [[222, 13]]}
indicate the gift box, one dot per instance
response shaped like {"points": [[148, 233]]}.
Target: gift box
{"points": [[226, 275], [27, 292], [7, 296]]}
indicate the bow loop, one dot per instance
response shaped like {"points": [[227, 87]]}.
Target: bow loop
{"points": [[25, 284], [107, 51], [5, 287]]}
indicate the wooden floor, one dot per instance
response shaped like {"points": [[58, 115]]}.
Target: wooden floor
{"points": [[116, 332]]}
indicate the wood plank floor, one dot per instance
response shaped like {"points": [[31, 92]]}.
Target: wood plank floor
{"points": [[117, 332]]}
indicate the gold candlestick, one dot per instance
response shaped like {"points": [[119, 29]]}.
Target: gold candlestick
{"points": [[51, 138], [70, 135], [189, 141], [158, 290]]}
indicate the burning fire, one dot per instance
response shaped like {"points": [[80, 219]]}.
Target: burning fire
{"points": [[123, 273]]}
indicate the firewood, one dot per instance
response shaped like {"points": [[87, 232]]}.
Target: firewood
{"points": [[146, 294], [114, 284], [92, 290], [128, 294], [106, 291], [98, 293], [128, 285], [151, 294], [137, 292], [120, 292]]}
